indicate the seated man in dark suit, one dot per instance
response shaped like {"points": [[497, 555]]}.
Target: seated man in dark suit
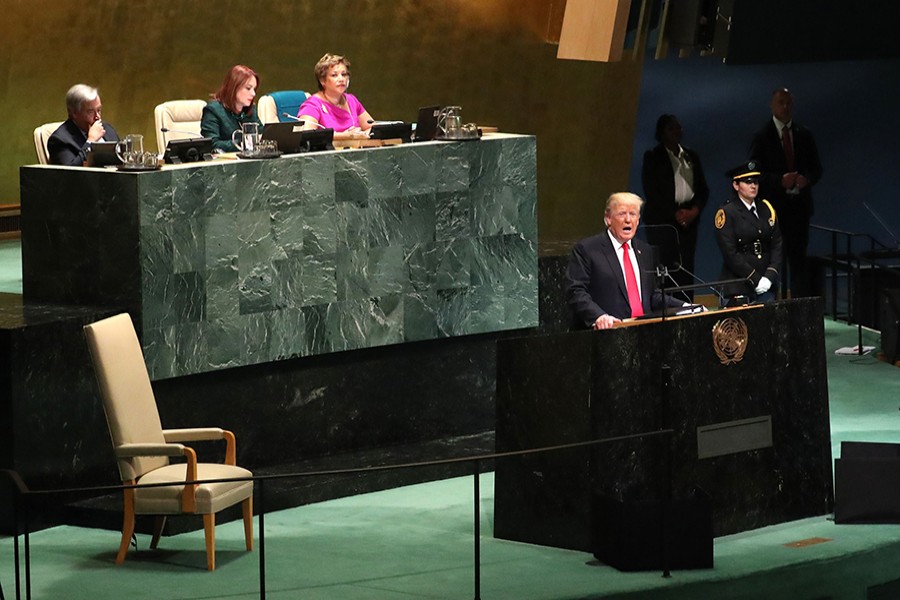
{"points": [[611, 275], [70, 143]]}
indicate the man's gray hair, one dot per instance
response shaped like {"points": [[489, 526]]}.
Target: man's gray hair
{"points": [[78, 94]]}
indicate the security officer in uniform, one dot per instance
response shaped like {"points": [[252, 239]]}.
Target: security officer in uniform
{"points": [[749, 239]]}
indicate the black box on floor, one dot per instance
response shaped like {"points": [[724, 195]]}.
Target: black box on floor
{"points": [[889, 318], [628, 535], [867, 483]]}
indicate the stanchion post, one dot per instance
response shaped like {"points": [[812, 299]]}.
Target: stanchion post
{"points": [[667, 484], [477, 529], [261, 507]]}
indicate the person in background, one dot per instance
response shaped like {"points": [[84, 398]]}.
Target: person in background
{"points": [[676, 193], [790, 168], [749, 238], [332, 106], [71, 142], [610, 275], [231, 107]]}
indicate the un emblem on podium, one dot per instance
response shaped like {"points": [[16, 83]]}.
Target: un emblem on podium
{"points": [[730, 340]]}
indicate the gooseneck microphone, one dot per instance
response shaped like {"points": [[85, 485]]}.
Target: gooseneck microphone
{"points": [[680, 267], [193, 134], [301, 121], [165, 130], [663, 271]]}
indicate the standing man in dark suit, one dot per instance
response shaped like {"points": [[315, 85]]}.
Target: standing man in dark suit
{"points": [[676, 193], [790, 168], [611, 275], [70, 144]]}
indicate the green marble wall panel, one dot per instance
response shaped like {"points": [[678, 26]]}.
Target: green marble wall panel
{"points": [[243, 262]]}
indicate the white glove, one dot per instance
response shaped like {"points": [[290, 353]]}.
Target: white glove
{"points": [[763, 286]]}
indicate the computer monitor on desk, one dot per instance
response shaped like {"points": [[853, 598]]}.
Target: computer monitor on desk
{"points": [[426, 125], [102, 154], [395, 130], [316, 140], [187, 151], [288, 135]]}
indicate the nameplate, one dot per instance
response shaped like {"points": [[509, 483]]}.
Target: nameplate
{"points": [[734, 436]]}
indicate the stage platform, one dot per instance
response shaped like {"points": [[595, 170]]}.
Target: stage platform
{"points": [[417, 541]]}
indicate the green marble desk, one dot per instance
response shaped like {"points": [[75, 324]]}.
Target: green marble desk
{"points": [[233, 263]]}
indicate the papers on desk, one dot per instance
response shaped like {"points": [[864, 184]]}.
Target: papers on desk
{"points": [[853, 350], [690, 309]]}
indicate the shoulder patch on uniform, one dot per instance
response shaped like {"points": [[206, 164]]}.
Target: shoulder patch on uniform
{"points": [[772, 217], [720, 218]]}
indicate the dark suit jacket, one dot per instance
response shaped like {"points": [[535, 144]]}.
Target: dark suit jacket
{"points": [[767, 149], [737, 234], [596, 284], [659, 186], [68, 144]]}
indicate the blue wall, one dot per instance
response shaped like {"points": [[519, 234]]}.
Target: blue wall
{"points": [[851, 107]]}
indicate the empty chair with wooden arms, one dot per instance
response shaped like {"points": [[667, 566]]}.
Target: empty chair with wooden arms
{"points": [[180, 117], [144, 449]]}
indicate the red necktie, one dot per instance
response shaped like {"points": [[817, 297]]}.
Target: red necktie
{"points": [[634, 295], [788, 147]]}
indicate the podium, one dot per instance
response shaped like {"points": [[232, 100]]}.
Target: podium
{"points": [[751, 431]]}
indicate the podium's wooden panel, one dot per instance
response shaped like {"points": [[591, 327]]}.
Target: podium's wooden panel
{"points": [[569, 387]]}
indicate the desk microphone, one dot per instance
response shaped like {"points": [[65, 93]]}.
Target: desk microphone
{"points": [[301, 121], [166, 130]]}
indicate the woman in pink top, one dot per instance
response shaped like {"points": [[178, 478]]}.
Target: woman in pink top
{"points": [[332, 106]]}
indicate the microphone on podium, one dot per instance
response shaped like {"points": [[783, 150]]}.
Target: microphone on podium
{"points": [[680, 267], [663, 271]]}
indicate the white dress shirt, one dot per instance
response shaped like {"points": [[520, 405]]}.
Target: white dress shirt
{"points": [[684, 175]]}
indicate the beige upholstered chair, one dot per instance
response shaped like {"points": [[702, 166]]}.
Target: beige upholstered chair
{"points": [[268, 112], [42, 135], [143, 448], [182, 117]]}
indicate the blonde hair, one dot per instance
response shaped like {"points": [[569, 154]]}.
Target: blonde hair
{"points": [[623, 198]]}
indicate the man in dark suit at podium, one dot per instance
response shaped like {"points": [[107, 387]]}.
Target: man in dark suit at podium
{"points": [[611, 275], [70, 144], [790, 169]]}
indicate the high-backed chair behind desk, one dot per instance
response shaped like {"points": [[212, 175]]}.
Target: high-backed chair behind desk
{"points": [[143, 448], [273, 106], [42, 135], [180, 117]]}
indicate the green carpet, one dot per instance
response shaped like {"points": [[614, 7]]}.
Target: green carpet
{"points": [[11, 266], [416, 542]]}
